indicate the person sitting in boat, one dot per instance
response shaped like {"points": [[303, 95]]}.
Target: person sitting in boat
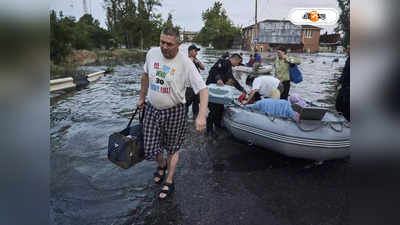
{"points": [[220, 74], [274, 107], [263, 87], [251, 61]]}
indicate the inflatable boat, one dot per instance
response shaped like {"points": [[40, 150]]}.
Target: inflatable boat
{"points": [[265, 69], [328, 138], [318, 134]]}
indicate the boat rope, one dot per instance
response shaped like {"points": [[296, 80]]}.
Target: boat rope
{"points": [[308, 130], [333, 128]]}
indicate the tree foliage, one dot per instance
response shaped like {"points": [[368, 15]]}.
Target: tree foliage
{"points": [[130, 24], [218, 28], [66, 34], [135, 23], [344, 21]]}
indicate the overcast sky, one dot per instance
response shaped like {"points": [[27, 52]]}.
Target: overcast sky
{"points": [[187, 13]]}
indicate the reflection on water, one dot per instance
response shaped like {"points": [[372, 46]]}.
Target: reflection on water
{"points": [[85, 187]]}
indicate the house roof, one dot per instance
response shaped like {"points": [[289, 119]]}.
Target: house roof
{"points": [[329, 38], [287, 21], [311, 27]]}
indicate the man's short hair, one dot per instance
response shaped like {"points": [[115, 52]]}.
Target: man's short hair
{"points": [[283, 49], [172, 31], [236, 55]]}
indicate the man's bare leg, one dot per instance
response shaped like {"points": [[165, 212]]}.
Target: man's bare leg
{"points": [[161, 162], [172, 161]]}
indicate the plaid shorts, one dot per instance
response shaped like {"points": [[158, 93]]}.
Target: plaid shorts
{"points": [[163, 130]]}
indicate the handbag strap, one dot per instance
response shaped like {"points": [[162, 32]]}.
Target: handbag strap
{"points": [[141, 116], [133, 116]]}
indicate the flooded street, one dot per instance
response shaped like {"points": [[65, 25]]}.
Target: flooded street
{"points": [[217, 182]]}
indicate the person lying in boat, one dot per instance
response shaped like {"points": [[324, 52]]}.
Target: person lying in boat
{"points": [[263, 87], [274, 107]]}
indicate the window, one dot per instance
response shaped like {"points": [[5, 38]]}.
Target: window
{"points": [[308, 33]]}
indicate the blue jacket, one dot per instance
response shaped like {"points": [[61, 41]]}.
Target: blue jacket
{"points": [[275, 107]]}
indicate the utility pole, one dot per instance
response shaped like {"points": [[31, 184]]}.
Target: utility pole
{"points": [[85, 8], [255, 17], [256, 28]]}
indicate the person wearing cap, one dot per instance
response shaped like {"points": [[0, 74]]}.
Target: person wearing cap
{"points": [[191, 97], [220, 74]]}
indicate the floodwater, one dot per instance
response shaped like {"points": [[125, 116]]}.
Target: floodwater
{"points": [[217, 181]]}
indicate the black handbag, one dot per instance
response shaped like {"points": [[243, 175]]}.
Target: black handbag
{"points": [[126, 148]]}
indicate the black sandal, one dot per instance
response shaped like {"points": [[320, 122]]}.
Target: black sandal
{"points": [[158, 175], [171, 188]]}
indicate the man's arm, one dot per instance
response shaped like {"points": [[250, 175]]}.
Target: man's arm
{"points": [[143, 90], [201, 117], [292, 60], [201, 66], [252, 93], [235, 82]]}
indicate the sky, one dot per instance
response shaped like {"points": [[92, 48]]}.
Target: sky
{"points": [[187, 13]]}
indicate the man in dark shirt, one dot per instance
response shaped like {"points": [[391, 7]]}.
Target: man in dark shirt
{"points": [[221, 74], [191, 97]]}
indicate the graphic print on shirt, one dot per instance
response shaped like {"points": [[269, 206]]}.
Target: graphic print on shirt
{"points": [[159, 83]]}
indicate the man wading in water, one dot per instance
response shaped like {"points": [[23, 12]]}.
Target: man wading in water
{"points": [[166, 71]]}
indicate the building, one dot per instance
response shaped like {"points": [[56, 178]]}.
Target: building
{"points": [[271, 34], [237, 42], [188, 36], [329, 42]]}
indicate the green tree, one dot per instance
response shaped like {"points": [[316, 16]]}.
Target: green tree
{"points": [[133, 23], [67, 34], [344, 21], [61, 36], [218, 28]]}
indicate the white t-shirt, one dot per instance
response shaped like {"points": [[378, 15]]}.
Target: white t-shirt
{"points": [[167, 78], [264, 85]]}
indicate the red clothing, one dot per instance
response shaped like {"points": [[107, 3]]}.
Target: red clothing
{"points": [[251, 62]]}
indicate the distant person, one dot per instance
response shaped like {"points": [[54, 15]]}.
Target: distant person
{"points": [[191, 97], [163, 84], [250, 63], [225, 55], [220, 74], [343, 97], [282, 64], [257, 60], [263, 87]]}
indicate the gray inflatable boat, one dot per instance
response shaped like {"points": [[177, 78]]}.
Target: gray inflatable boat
{"points": [[328, 138]]}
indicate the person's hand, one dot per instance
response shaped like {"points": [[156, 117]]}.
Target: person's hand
{"points": [[244, 102], [286, 58], [201, 123], [140, 103], [220, 83]]}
